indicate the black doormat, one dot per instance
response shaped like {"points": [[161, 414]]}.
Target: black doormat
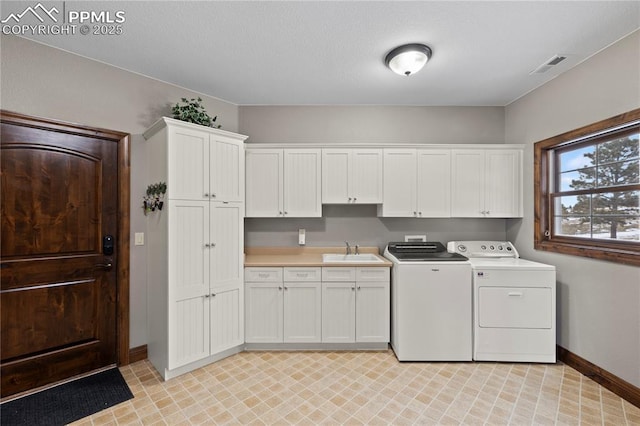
{"points": [[68, 402]]}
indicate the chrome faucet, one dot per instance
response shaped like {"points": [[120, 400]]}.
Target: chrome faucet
{"points": [[348, 247], [357, 249]]}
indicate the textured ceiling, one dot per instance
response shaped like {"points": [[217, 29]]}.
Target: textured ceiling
{"points": [[332, 52]]}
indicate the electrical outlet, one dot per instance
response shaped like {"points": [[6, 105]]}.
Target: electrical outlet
{"points": [[139, 238]]}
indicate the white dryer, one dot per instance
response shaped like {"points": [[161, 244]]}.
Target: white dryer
{"points": [[514, 303]]}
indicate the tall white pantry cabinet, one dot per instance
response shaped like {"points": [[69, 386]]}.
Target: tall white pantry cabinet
{"points": [[195, 289]]}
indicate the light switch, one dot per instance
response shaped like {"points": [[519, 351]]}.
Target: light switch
{"points": [[139, 238]]}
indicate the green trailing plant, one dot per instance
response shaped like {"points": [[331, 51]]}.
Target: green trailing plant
{"points": [[154, 198], [192, 111]]}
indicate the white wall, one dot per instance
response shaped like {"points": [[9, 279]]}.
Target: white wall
{"points": [[599, 302], [372, 124], [42, 81]]}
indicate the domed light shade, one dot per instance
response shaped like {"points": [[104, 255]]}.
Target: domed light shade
{"points": [[408, 59]]}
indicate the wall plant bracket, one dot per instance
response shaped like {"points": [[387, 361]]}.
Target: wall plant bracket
{"points": [[154, 197]]}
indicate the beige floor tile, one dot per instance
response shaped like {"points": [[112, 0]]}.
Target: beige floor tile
{"points": [[372, 388]]}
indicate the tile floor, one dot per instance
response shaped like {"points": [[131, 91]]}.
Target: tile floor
{"points": [[372, 388]]}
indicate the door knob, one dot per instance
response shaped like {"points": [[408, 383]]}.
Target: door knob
{"points": [[106, 266]]}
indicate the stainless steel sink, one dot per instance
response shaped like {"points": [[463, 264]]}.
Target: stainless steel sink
{"points": [[350, 258]]}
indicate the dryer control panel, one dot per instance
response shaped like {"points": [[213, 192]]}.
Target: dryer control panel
{"points": [[483, 248]]}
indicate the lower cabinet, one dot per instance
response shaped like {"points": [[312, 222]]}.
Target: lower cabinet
{"points": [[357, 309], [283, 305], [317, 305]]}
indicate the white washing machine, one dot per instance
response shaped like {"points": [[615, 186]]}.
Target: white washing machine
{"points": [[430, 302], [514, 303]]}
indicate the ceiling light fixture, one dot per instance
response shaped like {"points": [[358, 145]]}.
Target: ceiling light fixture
{"points": [[408, 59]]}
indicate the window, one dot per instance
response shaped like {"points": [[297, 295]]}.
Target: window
{"points": [[587, 191]]}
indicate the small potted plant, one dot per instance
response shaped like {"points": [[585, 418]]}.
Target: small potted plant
{"points": [[192, 111]]}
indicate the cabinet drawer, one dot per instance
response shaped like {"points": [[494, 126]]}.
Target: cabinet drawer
{"points": [[338, 273], [372, 274], [514, 307], [255, 274], [301, 274]]}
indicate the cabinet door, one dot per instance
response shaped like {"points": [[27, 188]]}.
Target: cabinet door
{"points": [[338, 312], [226, 245], [503, 183], [399, 183], [335, 176], [226, 169], [302, 183], [433, 192], [366, 176], [226, 319], [188, 330], [372, 311], [263, 312], [302, 312], [467, 179], [188, 254], [264, 183], [188, 164], [188, 282]]}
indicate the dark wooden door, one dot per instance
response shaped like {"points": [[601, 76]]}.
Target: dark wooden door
{"points": [[59, 200]]}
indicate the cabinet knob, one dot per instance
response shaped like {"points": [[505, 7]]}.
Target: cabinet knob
{"points": [[206, 245], [286, 288], [279, 288], [353, 289], [349, 199], [206, 295], [213, 195], [415, 213], [286, 212], [213, 295], [354, 199], [280, 213], [206, 194], [213, 244], [359, 287]]}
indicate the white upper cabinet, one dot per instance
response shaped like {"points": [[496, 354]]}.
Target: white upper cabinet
{"points": [[351, 176], [204, 164], [283, 183], [264, 182], [399, 187], [188, 157], [416, 183], [226, 170], [433, 191], [486, 183]]}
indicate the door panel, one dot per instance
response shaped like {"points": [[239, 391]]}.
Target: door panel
{"points": [[59, 197], [226, 237]]}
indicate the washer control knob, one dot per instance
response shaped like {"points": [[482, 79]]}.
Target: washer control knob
{"points": [[508, 248], [483, 247], [462, 248], [492, 247], [500, 248]]}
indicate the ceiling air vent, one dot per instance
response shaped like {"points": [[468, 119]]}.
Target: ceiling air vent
{"points": [[547, 65]]}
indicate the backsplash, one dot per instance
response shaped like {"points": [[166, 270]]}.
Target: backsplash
{"points": [[359, 224]]}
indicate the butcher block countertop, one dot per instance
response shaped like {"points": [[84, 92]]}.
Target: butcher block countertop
{"points": [[305, 256]]}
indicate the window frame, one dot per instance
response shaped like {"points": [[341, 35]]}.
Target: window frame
{"points": [[611, 250]]}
